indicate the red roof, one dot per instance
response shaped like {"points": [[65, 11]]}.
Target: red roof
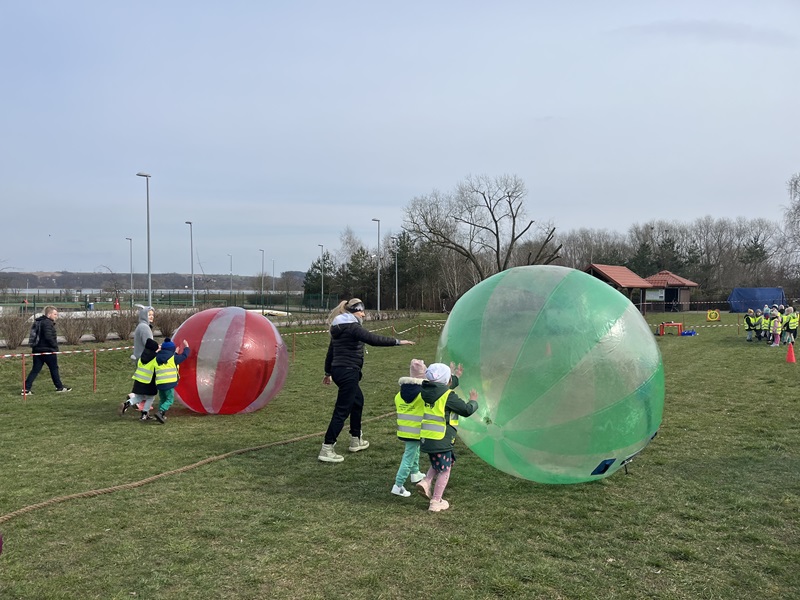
{"points": [[667, 279], [621, 276]]}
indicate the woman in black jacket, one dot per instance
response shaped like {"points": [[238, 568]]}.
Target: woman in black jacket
{"points": [[343, 367]]}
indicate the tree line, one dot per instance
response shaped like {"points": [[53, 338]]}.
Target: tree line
{"points": [[452, 240]]}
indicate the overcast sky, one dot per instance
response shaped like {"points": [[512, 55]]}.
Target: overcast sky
{"points": [[276, 125]]}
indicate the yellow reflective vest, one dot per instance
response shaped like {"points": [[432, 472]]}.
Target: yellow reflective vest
{"points": [[144, 371], [434, 425], [409, 417], [167, 373], [794, 319], [777, 325]]}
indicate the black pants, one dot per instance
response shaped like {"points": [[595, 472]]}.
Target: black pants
{"points": [[349, 403], [51, 360]]}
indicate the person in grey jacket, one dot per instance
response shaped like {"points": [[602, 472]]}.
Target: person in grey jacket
{"points": [[143, 331], [343, 367]]}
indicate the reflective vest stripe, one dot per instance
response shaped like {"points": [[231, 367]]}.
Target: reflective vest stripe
{"points": [[406, 417], [411, 431]]}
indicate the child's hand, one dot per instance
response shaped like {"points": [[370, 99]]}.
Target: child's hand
{"points": [[456, 370], [473, 395], [185, 344]]}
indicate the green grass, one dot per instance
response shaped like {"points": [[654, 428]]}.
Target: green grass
{"points": [[708, 510]]}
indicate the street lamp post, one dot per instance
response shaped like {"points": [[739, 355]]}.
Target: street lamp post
{"points": [[149, 273], [130, 240], [396, 297], [231, 257], [191, 255], [378, 221], [262, 280], [321, 276], [273, 277]]}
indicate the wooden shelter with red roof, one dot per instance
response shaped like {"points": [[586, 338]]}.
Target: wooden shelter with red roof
{"points": [[621, 279], [672, 290]]}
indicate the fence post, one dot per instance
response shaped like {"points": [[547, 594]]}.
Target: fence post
{"points": [[23, 376], [94, 370], [294, 338]]}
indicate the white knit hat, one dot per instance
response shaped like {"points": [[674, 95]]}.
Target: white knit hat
{"points": [[439, 373]]}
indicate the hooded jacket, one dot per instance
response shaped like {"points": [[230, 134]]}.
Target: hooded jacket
{"points": [[431, 392], [142, 333], [346, 348], [48, 339]]}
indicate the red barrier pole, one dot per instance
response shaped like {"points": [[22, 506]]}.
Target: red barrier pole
{"points": [[94, 370]]}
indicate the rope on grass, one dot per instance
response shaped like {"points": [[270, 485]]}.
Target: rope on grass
{"points": [[140, 483]]}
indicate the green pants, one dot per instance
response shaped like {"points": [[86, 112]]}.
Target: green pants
{"points": [[165, 399]]}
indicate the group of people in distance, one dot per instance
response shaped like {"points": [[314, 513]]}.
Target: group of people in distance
{"points": [[774, 325], [156, 371], [427, 406]]}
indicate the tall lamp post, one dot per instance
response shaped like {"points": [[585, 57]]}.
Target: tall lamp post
{"points": [[273, 277], [321, 276], [396, 296], [149, 274], [130, 240], [378, 221], [231, 257], [191, 255], [262, 280]]}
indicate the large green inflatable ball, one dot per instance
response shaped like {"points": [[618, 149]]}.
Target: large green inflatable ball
{"points": [[569, 378]]}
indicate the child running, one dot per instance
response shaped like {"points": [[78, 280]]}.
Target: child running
{"points": [[144, 381], [438, 434], [410, 410], [167, 362]]}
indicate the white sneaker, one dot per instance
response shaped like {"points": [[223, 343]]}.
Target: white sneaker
{"points": [[357, 444], [438, 505], [328, 454], [417, 477], [400, 491]]}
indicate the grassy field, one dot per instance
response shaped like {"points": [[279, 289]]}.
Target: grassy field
{"points": [[708, 510]]}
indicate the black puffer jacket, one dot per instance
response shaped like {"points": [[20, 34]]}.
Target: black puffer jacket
{"points": [[48, 340], [346, 348]]}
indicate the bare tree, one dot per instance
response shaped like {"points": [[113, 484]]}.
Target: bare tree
{"points": [[790, 231], [483, 220]]}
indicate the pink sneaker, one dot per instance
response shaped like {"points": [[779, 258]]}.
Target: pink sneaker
{"points": [[438, 505], [424, 488]]}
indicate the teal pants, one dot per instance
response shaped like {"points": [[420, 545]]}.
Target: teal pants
{"points": [[165, 399], [409, 464]]}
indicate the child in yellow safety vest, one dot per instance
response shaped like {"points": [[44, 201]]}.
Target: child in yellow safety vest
{"points": [[776, 324], [167, 362], [759, 324], [410, 409], [144, 381], [790, 319], [438, 433], [750, 324], [766, 326]]}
